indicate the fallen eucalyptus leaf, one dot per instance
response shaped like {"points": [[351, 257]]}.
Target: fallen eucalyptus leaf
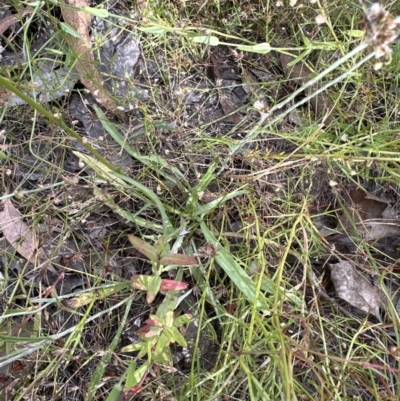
{"points": [[16, 232], [355, 289], [20, 236]]}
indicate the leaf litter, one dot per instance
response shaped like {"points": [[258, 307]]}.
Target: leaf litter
{"points": [[351, 286], [21, 236], [367, 221]]}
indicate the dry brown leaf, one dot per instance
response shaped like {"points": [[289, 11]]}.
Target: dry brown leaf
{"points": [[355, 289], [19, 235], [86, 65], [16, 232], [372, 230], [363, 215], [361, 206], [5, 23]]}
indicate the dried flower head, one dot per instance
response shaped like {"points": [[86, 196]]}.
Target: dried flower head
{"points": [[208, 250], [381, 30]]}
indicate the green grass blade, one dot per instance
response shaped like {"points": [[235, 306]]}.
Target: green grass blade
{"points": [[157, 163], [235, 272]]}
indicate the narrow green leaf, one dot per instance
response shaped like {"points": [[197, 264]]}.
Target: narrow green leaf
{"points": [[126, 214], [235, 272], [130, 375], [179, 339], [137, 375], [4, 156], [119, 179], [162, 344], [154, 287], [202, 210], [206, 39], [154, 29], [115, 393], [177, 259], [133, 347], [71, 31], [266, 47], [97, 12], [261, 48], [203, 183], [143, 247]]}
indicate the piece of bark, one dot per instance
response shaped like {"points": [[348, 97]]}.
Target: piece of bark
{"points": [[86, 65]]}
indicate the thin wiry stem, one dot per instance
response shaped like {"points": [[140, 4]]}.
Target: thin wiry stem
{"points": [[256, 129]]}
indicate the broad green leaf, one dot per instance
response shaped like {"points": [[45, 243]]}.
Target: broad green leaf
{"points": [[355, 33], [177, 259], [164, 358], [154, 287], [169, 319], [97, 12], [162, 344], [170, 334], [206, 39], [133, 347], [137, 375], [153, 334], [183, 319], [151, 284], [169, 303], [71, 31], [143, 247], [179, 339], [161, 246], [235, 272]]}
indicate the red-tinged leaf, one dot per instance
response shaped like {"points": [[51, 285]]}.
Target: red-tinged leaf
{"points": [[143, 329], [153, 332], [152, 322], [177, 259], [135, 390], [172, 285], [230, 308], [143, 247]]}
